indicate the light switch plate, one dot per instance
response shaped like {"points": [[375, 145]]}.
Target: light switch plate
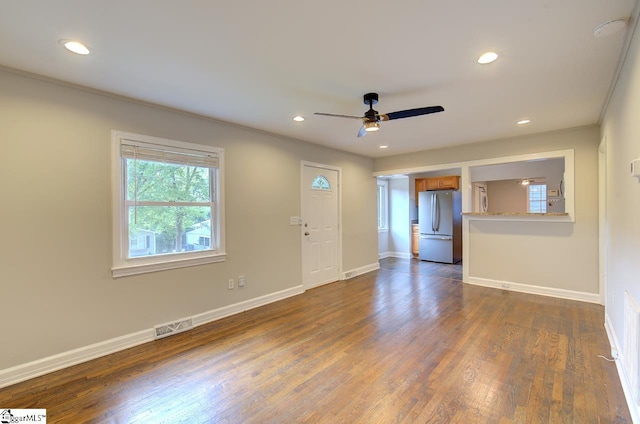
{"points": [[635, 168]]}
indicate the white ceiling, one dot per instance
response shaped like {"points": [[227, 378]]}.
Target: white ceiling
{"points": [[259, 63]]}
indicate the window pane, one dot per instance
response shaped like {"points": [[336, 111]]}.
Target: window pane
{"points": [[537, 198], [165, 182], [155, 230], [320, 183]]}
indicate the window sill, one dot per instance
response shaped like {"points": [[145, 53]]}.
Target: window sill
{"points": [[135, 268]]}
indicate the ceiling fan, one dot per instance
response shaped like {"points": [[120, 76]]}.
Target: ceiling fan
{"points": [[371, 119]]}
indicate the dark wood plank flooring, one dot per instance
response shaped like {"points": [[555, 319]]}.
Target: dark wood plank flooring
{"points": [[409, 343]]}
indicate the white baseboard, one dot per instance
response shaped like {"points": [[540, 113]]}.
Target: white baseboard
{"points": [[57, 362], [359, 271], [384, 255], [237, 308], [62, 360], [401, 255], [543, 291], [617, 352]]}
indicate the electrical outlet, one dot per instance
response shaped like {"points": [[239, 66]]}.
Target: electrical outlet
{"points": [[231, 284], [242, 280]]}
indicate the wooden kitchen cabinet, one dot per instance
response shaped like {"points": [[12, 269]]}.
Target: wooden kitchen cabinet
{"points": [[421, 185], [443, 183], [415, 240], [449, 182]]}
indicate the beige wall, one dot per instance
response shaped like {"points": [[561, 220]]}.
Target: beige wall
{"points": [[57, 289], [506, 196], [621, 127], [559, 255]]}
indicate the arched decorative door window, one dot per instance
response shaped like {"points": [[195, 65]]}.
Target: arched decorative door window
{"points": [[320, 183]]}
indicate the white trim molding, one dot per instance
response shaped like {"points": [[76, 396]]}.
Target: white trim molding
{"points": [[400, 255], [62, 360], [539, 290], [616, 353], [359, 271], [57, 362]]}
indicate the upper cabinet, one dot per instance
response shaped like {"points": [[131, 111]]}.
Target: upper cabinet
{"points": [[449, 182]]}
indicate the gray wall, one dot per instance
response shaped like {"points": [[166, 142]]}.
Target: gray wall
{"points": [[621, 127], [56, 252]]}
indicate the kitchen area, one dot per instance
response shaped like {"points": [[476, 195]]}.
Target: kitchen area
{"points": [[425, 209], [430, 198], [437, 233]]}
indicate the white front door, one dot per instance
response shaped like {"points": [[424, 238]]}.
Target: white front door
{"points": [[320, 225]]}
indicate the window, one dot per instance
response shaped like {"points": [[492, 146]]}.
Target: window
{"points": [[383, 205], [166, 204], [320, 183], [537, 198]]}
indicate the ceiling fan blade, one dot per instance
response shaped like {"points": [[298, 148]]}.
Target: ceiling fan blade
{"points": [[411, 112], [339, 116], [362, 132]]}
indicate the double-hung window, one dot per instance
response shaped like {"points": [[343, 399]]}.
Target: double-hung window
{"points": [[537, 198], [383, 205], [167, 210]]}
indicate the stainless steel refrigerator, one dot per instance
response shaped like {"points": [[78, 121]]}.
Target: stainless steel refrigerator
{"points": [[440, 224]]}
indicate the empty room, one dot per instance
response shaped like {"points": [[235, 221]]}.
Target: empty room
{"points": [[336, 212]]}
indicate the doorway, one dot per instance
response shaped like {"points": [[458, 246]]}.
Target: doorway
{"points": [[321, 250]]}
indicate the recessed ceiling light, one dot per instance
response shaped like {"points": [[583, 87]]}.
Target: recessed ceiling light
{"points": [[487, 57], [298, 118], [384, 146], [75, 47], [524, 121]]}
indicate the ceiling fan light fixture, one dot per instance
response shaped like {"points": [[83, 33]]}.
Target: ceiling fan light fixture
{"points": [[371, 126], [370, 120], [487, 58], [298, 118]]}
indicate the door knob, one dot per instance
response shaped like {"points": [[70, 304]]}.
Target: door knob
{"points": [[306, 233]]}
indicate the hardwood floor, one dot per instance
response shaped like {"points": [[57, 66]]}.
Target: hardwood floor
{"points": [[409, 343]]}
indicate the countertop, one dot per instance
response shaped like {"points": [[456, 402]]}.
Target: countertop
{"points": [[514, 214]]}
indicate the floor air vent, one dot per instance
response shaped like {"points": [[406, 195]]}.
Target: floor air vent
{"points": [[170, 329]]}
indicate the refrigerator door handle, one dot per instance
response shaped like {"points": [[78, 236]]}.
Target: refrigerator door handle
{"points": [[436, 226], [432, 213]]}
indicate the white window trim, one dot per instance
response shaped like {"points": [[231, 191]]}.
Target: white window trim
{"points": [[123, 266], [384, 183]]}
